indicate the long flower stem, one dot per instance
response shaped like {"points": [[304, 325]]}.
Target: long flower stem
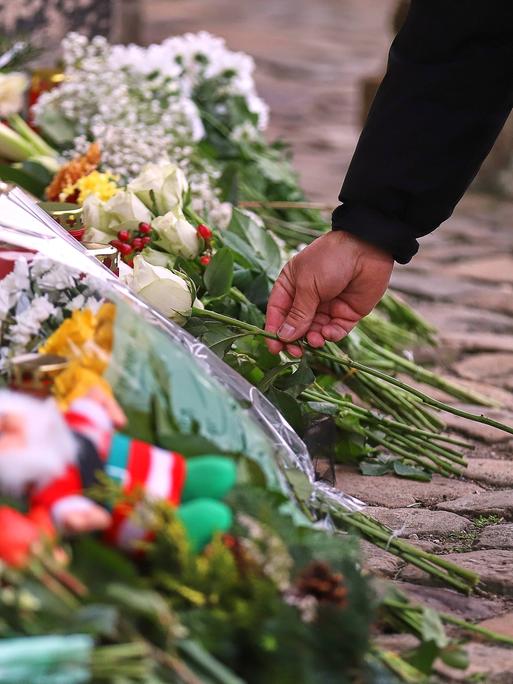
{"points": [[228, 320], [346, 362]]}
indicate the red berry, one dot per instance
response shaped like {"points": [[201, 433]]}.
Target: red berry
{"points": [[146, 240], [137, 243], [204, 231], [116, 243], [124, 235], [144, 228], [205, 259], [124, 248]]}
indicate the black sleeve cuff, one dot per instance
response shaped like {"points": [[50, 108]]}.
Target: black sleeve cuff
{"points": [[370, 225]]}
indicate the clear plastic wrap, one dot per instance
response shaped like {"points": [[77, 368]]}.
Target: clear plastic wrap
{"points": [[24, 224]]}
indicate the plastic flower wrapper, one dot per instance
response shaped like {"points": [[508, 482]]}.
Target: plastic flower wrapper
{"points": [[153, 359]]}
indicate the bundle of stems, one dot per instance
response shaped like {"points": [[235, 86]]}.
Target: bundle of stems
{"points": [[382, 536], [335, 355], [400, 612], [430, 450], [360, 346]]}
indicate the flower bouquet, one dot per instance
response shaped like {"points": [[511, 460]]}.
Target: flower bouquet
{"points": [[209, 566]]}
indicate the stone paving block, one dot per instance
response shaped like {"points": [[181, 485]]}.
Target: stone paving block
{"points": [[498, 269], [431, 286], [499, 502], [471, 608], [490, 471], [419, 521], [378, 561], [477, 341], [487, 366], [502, 624], [393, 492], [455, 317], [496, 537], [492, 299], [484, 433], [495, 569], [495, 663]]}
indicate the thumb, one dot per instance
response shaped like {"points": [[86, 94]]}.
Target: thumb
{"points": [[300, 316]]}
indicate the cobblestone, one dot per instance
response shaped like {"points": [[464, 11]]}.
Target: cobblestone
{"points": [[494, 569], [419, 521], [485, 503]]}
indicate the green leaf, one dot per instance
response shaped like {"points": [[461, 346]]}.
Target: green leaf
{"points": [[323, 407], [22, 179], [289, 407], [219, 273], [411, 472], [299, 483], [37, 171], [51, 207], [375, 468], [433, 629], [300, 380], [262, 246], [199, 658], [455, 656]]}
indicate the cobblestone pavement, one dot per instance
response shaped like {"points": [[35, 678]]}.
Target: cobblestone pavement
{"points": [[311, 58]]}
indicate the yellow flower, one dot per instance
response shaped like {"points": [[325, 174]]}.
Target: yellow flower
{"points": [[86, 340], [103, 185], [75, 381]]}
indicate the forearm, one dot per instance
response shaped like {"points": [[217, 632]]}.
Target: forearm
{"points": [[444, 99]]}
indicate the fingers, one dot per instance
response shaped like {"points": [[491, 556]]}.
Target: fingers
{"points": [[280, 301], [300, 316], [110, 405]]}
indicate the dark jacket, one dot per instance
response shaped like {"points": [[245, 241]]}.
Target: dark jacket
{"points": [[444, 99]]}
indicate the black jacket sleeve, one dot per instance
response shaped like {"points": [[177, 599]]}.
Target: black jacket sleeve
{"points": [[444, 99]]}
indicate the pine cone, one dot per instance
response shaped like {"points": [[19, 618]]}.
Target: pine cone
{"points": [[318, 580]]}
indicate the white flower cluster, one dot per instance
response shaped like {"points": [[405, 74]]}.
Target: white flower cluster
{"points": [[34, 295], [195, 58], [138, 103], [135, 120]]}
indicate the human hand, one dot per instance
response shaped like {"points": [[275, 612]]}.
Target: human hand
{"points": [[324, 290]]}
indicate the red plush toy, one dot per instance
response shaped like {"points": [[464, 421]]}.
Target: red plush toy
{"points": [[52, 459]]}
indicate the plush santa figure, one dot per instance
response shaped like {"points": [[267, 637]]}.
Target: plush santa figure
{"points": [[53, 458]]}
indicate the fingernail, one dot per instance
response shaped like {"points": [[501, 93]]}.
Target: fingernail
{"points": [[286, 332]]}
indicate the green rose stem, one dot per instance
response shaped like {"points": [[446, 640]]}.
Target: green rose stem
{"points": [[348, 363], [316, 393], [457, 577], [344, 361], [233, 322], [426, 376], [383, 537], [412, 611]]}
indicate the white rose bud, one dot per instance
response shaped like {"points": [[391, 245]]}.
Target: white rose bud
{"points": [[12, 87], [167, 184], [125, 206], [176, 235], [166, 291], [95, 220]]}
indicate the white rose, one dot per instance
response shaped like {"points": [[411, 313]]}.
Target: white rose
{"points": [[156, 258], [166, 182], [164, 290], [94, 216], [125, 206], [176, 235], [12, 87]]}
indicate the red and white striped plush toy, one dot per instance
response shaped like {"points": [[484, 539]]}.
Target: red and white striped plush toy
{"points": [[53, 458]]}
